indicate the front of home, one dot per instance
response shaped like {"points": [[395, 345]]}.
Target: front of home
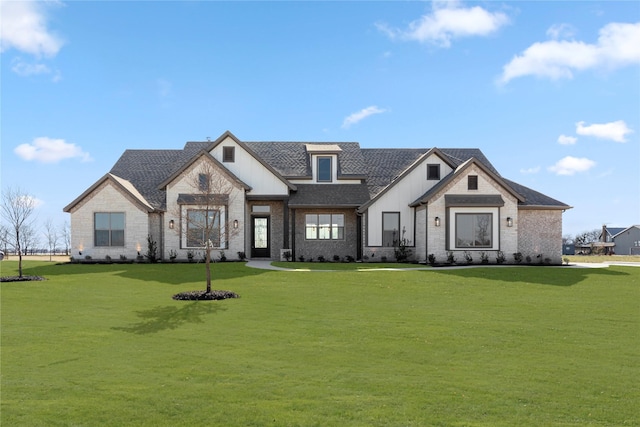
{"points": [[312, 201]]}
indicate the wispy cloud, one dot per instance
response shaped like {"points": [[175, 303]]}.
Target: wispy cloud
{"points": [[618, 45], [23, 27], [48, 150], [24, 68], [530, 171], [356, 117], [614, 131], [567, 140], [448, 21], [572, 165]]}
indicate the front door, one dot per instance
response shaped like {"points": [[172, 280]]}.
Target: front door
{"points": [[260, 237]]}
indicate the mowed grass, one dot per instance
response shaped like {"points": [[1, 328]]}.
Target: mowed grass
{"points": [[529, 346]]}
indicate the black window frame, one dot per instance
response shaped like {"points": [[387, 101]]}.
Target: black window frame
{"points": [[472, 182], [474, 240], [192, 229], [228, 154], [395, 236], [433, 172]]}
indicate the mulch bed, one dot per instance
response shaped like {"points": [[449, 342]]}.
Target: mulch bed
{"points": [[21, 279], [204, 295]]}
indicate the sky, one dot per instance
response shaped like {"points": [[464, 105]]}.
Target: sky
{"points": [[548, 90]]}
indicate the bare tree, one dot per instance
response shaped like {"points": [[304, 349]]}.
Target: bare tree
{"points": [[587, 237], [51, 235], [65, 233], [17, 209], [203, 224], [5, 237]]}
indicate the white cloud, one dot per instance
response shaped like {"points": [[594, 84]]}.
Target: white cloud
{"points": [[571, 165], [361, 115], [559, 31], [447, 21], [615, 131], [48, 150], [23, 27], [567, 140], [530, 170], [618, 45]]}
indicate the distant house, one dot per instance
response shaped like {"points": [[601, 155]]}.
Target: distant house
{"points": [[316, 199], [627, 240]]}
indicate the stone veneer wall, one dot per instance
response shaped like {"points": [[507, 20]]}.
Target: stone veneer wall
{"points": [[540, 233], [326, 248], [106, 198]]}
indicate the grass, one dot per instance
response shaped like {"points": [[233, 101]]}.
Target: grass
{"points": [[527, 346]]}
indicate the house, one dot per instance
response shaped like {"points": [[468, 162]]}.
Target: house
{"points": [[627, 240], [315, 200]]}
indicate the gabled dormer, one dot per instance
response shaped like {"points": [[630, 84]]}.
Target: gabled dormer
{"points": [[323, 159]]}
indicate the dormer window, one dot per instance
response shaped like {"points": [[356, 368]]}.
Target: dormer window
{"points": [[324, 169]]}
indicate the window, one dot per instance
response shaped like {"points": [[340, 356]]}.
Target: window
{"points": [[474, 230], [197, 225], [324, 226], [203, 182], [109, 229], [324, 169], [472, 182], [433, 172], [261, 209], [390, 228], [228, 154]]}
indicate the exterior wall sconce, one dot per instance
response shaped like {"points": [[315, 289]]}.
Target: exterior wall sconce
{"points": [[509, 221], [172, 224], [235, 224], [437, 221]]}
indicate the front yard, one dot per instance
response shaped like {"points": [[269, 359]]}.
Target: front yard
{"points": [[526, 346]]}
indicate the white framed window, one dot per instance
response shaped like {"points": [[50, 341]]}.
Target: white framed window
{"points": [[324, 169], [108, 228], [324, 226]]}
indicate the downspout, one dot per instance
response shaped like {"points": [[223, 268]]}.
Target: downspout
{"points": [[359, 246]]}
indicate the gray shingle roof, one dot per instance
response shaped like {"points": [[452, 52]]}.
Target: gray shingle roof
{"points": [[534, 198], [291, 159], [319, 195], [146, 169]]}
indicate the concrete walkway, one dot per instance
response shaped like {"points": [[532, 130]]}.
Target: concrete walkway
{"points": [[266, 265]]}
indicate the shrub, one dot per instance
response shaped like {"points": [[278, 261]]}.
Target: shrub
{"points": [[336, 258], [451, 259], [287, 255], [467, 257], [190, 256], [431, 259], [123, 257], [383, 258], [484, 258], [152, 249], [517, 257], [566, 260], [349, 258], [528, 259], [301, 258], [107, 258], [242, 256], [173, 255], [321, 258], [500, 257], [222, 257]]}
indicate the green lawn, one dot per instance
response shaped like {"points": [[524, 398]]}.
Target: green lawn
{"points": [[528, 346]]}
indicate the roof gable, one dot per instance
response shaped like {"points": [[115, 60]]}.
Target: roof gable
{"points": [[122, 185]]}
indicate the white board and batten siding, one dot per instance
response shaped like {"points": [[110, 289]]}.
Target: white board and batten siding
{"points": [[250, 170], [399, 196]]}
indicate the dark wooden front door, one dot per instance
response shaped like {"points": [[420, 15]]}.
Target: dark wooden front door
{"points": [[260, 237]]}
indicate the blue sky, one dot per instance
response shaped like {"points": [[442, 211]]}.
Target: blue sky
{"points": [[549, 91]]}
